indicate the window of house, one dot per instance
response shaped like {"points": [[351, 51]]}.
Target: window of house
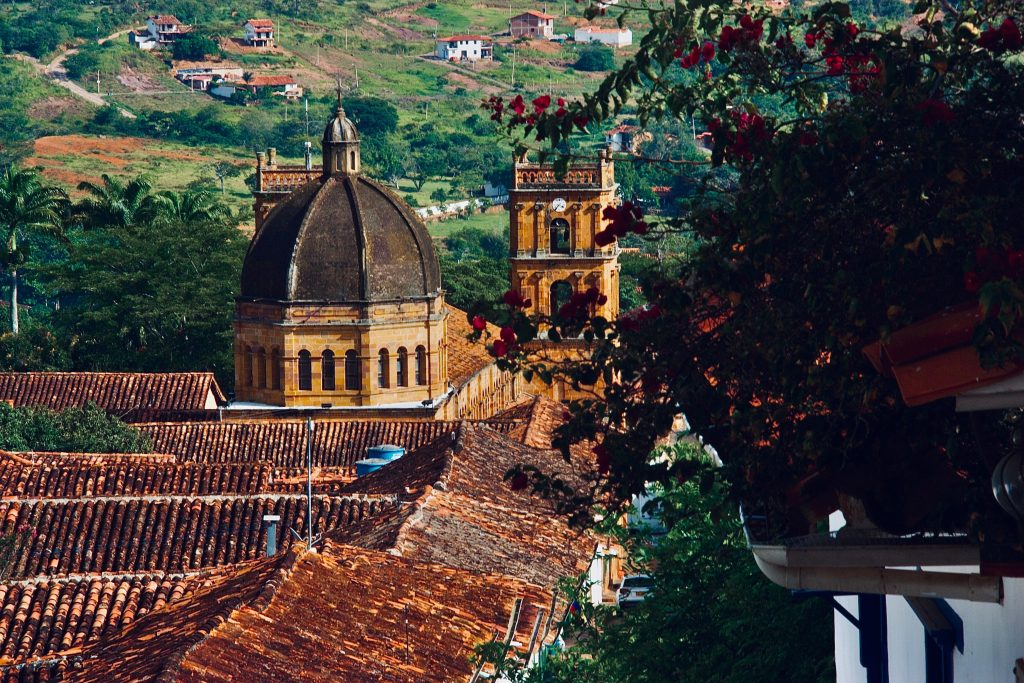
{"points": [[305, 371], [421, 365], [403, 367], [353, 377], [559, 236], [327, 371], [383, 369]]}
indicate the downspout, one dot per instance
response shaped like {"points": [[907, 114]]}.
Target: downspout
{"points": [[875, 580]]}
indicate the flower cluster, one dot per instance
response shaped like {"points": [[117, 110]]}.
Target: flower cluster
{"points": [[505, 344], [699, 53], [515, 299], [991, 265], [744, 137], [632, 321], [934, 112], [623, 219], [1006, 37], [582, 304], [518, 107], [746, 34]]}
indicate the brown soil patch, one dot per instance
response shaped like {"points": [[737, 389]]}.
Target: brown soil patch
{"points": [[50, 108], [135, 81], [397, 31], [469, 83], [62, 176], [546, 47], [56, 145], [238, 46]]}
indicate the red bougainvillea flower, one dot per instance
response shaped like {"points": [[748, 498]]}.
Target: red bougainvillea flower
{"points": [[499, 348], [934, 112], [479, 323], [517, 105], [541, 103], [580, 122], [623, 219], [495, 105], [807, 138], [747, 33], [515, 299], [835, 64], [707, 51], [560, 112], [810, 39], [852, 29], [1006, 37], [508, 335]]}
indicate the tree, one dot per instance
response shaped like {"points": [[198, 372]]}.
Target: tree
{"points": [[192, 206], [156, 297], [372, 115], [26, 207], [116, 203], [872, 179], [194, 46], [88, 429], [84, 62], [471, 282], [224, 170], [595, 58]]}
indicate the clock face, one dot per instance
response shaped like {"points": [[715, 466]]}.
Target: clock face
{"points": [[558, 204]]}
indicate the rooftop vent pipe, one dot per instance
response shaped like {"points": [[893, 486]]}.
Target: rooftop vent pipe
{"points": [[271, 521]]}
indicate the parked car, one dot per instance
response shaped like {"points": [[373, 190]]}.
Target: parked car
{"points": [[633, 590]]}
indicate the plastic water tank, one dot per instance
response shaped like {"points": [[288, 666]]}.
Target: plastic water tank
{"points": [[364, 467], [385, 452]]}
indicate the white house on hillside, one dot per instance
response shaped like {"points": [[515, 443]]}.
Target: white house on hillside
{"points": [[259, 32], [161, 30], [464, 48], [615, 37], [532, 24]]}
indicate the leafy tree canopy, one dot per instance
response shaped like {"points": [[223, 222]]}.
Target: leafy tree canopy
{"points": [[595, 58], [372, 115], [88, 429], [194, 46]]}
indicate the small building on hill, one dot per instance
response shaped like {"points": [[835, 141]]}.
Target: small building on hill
{"points": [[613, 37], [164, 29], [279, 85], [532, 24], [259, 33], [204, 75], [464, 48], [626, 138]]}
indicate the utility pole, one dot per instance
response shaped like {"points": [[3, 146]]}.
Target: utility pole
{"points": [[512, 86], [346, 40], [97, 82]]}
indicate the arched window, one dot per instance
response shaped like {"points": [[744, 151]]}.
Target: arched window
{"points": [[561, 292], [261, 368], [403, 367], [352, 160], [275, 368], [353, 377], [559, 236], [305, 371], [421, 365], [383, 369], [246, 377], [327, 371]]}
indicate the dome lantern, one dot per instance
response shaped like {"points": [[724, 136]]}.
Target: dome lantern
{"points": [[341, 143]]}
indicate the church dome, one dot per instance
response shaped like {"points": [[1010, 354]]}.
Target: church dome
{"points": [[341, 238]]}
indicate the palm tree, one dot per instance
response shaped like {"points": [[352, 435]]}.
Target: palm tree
{"points": [[117, 204], [190, 206], [26, 206]]}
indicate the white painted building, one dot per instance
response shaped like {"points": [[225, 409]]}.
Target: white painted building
{"points": [[464, 48], [259, 33], [614, 37]]}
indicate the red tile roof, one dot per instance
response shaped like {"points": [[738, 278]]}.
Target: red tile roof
{"points": [[465, 358], [485, 39], [935, 357], [534, 13], [336, 443], [168, 533], [468, 517], [165, 19], [344, 614], [261, 23], [267, 81], [121, 393]]}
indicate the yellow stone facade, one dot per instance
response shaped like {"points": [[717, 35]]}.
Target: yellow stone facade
{"points": [[553, 222], [383, 353]]}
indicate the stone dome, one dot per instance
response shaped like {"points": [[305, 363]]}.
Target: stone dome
{"points": [[342, 238]]}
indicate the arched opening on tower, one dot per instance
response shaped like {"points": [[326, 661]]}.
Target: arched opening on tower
{"points": [[403, 367], [353, 377], [561, 292], [327, 371], [421, 365], [305, 371], [383, 369], [560, 242]]}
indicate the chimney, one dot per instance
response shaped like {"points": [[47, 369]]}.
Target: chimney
{"points": [[309, 155], [271, 521], [272, 156]]}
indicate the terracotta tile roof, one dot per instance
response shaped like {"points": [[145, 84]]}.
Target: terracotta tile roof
{"points": [[532, 422], [336, 443], [485, 39], [165, 19], [935, 357], [39, 618], [267, 81], [534, 13], [261, 23], [79, 459], [121, 393], [19, 478], [467, 517], [465, 358], [412, 621], [168, 533]]}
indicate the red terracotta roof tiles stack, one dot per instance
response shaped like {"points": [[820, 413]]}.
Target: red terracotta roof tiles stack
{"points": [[119, 393], [465, 358], [336, 443]]}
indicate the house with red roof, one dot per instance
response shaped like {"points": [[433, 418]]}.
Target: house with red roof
{"points": [[259, 32], [464, 48], [532, 24]]}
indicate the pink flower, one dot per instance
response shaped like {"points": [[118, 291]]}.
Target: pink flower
{"points": [[479, 323], [541, 103]]}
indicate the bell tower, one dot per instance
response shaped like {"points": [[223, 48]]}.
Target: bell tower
{"points": [[341, 144], [553, 222]]}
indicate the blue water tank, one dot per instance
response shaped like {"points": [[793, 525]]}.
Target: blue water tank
{"points": [[385, 452], [364, 467]]}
